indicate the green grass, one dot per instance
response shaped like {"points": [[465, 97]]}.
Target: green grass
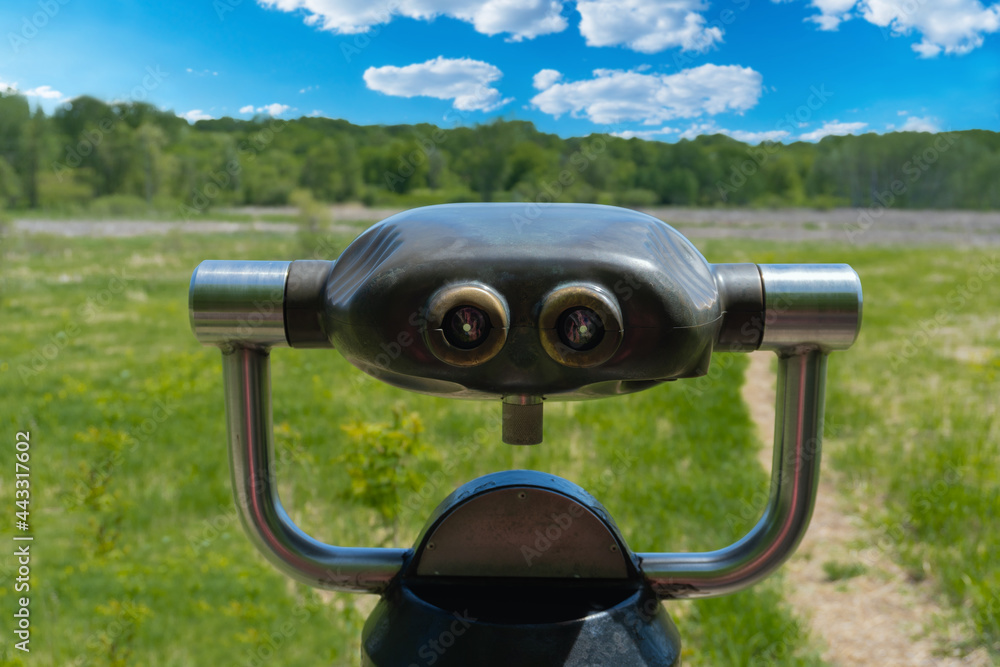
{"points": [[142, 561], [837, 571], [912, 414], [918, 432]]}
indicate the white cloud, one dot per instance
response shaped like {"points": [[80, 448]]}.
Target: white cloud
{"points": [[315, 113], [270, 109], [616, 96], [195, 115], [521, 19], [45, 92], [902, 112], [951, 26], [835, 128], [757, 137], [926, 49], [647, 27], [462, 80], [644, 134], [545, 78], [740, 135], [832, 13], [945, 26], [273, 109], [699, 128], [918, 124]]}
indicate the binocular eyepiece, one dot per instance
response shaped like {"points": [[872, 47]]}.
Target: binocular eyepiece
{"points": [[466, 324], [466, 301]]}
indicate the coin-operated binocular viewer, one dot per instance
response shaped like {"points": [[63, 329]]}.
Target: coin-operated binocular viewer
{"points": [[580, 302]]}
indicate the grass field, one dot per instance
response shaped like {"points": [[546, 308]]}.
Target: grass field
{"points": [[912, 416], [139, 558]]}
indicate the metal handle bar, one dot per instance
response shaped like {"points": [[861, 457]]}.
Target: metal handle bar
{"points": [[240, 307], [806, 311]]}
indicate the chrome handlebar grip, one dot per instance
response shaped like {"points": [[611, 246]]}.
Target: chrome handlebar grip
{"points": [[239, 303], [809, 310], [240, 307], [810, 304]]}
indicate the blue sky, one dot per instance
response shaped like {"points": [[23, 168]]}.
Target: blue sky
{"points": [[754, 69]]}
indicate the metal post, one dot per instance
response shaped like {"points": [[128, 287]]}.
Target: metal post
{"points": [[248, 413], [794, 477], [807, 311]]}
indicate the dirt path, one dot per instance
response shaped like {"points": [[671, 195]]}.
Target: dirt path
{"points": [[876, 618]]}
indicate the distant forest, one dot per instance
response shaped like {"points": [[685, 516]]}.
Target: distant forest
{"points": [[128, 158]]}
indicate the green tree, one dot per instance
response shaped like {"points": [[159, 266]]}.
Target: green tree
{"points": [[145, 156], [269, 178], [331, 169], [17, 135], [151, 139], [530, 163], [10, 184], [680, 187], [783, 181]]}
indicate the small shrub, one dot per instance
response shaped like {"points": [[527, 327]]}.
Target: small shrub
{"points": [[384, 461], [836, 571]]}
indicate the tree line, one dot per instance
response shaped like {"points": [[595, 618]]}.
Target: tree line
{"points": [[129, 157]]}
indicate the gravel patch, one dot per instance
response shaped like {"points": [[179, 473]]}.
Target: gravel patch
{"points": [[126, 228], [856, 226]]}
